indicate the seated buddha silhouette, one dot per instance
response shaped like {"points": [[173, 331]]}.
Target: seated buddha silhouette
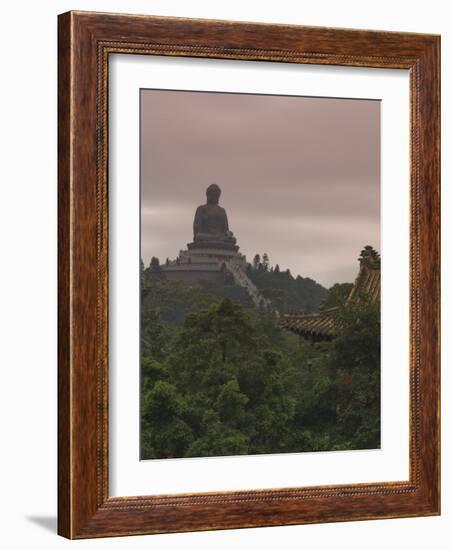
{"points": [[210, 226]]}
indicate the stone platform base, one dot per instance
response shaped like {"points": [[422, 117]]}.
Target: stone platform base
{"points": [[195, 265]]}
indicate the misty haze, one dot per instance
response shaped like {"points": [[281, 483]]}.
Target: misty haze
{"points": [[259, 274], [300, 177]]}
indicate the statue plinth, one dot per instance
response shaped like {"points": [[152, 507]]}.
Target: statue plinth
{"points": [[213, 243]]}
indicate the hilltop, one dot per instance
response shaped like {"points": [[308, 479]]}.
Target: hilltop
{"points": [[174, 298]]}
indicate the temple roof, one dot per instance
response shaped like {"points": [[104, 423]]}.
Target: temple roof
{"points": [[322, 325], [316, 326]]}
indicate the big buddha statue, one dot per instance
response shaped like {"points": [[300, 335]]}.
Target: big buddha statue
{"points": [[210, 226]]}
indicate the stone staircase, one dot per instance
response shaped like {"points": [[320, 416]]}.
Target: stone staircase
{"points": [[241, 279]]}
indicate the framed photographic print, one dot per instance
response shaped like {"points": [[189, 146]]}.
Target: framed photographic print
{"points": [[248, 275]]}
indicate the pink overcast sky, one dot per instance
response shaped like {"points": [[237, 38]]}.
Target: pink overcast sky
{"points": [[300, 176]]}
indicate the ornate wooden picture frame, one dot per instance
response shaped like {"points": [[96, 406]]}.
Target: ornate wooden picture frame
{"points": [[86, 41]]}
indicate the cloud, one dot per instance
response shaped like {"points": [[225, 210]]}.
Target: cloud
{"points": [[300, 176]]}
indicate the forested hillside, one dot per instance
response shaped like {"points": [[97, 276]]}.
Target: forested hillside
{"points": [[286, 292], [220, 377]]}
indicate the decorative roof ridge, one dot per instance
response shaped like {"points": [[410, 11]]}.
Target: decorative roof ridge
{"points": [[322, 324], [369, 258]]}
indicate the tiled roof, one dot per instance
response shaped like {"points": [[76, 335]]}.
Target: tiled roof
{"points": [[367, 282], [315, 326], [322, 325]]}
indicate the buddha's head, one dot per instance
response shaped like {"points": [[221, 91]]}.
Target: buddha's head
{"points": [[213, 193]]}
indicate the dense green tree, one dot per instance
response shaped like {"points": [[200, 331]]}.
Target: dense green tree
{"points": [[162, 411], [155, 336], [355, 356], [337, 295], [287, 293], [218, 439], [256, 261], [230, 403], [225, 324], [154, 266], [227, 380]]}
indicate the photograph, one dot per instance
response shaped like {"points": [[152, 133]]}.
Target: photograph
{"points": [[259, 274], [224, 236]]}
